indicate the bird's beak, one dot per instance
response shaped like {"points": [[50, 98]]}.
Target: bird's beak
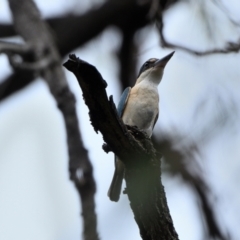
{"points": [[161, 63]]}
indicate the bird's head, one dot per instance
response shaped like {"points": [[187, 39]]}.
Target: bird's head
{"points": [[152, 69]]}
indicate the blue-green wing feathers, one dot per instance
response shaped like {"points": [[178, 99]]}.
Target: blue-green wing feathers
{"points": [[123, 101], [155, 120]]}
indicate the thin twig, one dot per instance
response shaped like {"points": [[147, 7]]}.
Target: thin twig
{"points": [[228, 48], [16, 48]]}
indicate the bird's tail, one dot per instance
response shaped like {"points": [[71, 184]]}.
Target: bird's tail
{"points": [[116, 184]]}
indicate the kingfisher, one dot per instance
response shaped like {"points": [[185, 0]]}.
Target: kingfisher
{"points": [[139, 106]]}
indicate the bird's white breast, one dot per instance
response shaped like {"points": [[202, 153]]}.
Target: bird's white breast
{"points": [[142, 107]]}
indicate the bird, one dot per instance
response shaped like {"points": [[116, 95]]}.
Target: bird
{"points": [[139, 106]]}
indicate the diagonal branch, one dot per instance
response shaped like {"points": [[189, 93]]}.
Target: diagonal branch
{"points": [[142, 165], [35, 32], [228, 48]]}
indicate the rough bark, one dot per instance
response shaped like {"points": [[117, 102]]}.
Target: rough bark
{"points": [[143, 166]]}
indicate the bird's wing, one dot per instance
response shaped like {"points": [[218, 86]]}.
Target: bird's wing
{"points": [[123, 101], [156, 118]]}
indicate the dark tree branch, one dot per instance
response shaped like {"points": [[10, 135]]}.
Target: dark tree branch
{"points": [[179, 163], [184, 161], [7, 30], [35, 32], [143, 170], [127, 58], [15, 82], [80, 167], [129, 49], [73, 31], [89, 25], [228, 48]]}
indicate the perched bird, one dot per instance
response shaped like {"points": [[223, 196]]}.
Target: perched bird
{"points": [[138, 106]]}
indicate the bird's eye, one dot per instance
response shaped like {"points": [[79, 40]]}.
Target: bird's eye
{"points": [[146, 65]]}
